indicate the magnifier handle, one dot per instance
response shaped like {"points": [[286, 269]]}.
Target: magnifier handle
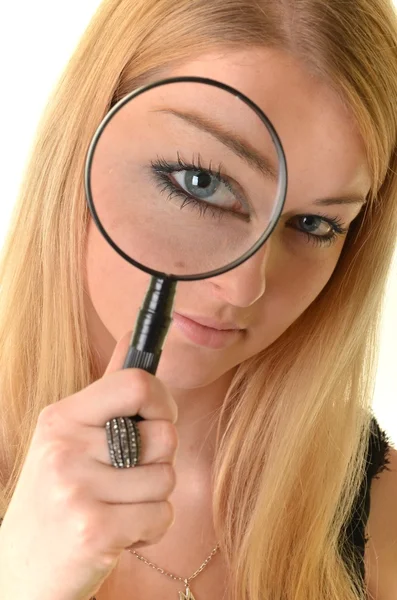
{"points": [[138, 359], [151, 328]]}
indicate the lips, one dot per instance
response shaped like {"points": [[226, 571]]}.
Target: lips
{"points": [[203, 331], [213, 324]]}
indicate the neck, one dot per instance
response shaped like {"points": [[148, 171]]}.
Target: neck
{"points": [[198, 415]]}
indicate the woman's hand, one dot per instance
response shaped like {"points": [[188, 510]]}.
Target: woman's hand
{"points": [[72, 512]]}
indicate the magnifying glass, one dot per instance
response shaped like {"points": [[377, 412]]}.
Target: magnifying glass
{"points": [[186, 179]]}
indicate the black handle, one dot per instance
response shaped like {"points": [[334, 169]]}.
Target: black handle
{"points": [[141, 360], [148, 361], [151, 328]]}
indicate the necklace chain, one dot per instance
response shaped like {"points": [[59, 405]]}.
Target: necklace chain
{"points": [[175, 577]]}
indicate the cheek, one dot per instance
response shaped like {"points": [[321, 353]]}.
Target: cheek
{"points": [[296, 274], [116, 288], [304, 280]]}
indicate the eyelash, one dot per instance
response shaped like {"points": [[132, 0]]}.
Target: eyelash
{"points": [[162, 167], [338, 230]]}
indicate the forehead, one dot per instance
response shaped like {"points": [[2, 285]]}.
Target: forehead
{"points": [[318, 131]]}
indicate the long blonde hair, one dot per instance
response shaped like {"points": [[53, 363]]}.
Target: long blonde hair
{"points": [[296, 422]]}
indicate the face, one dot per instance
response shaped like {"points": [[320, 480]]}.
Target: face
{"points": [[220, 322]]}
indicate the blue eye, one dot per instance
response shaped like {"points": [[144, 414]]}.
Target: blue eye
{"points": [[206, 187], [199, 183], [319, 229], [200, 188]]}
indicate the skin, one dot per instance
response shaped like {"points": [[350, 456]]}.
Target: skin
{"points": [[326, 159]]}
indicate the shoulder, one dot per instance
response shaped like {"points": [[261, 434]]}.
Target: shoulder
{"points": [[381, 548]]}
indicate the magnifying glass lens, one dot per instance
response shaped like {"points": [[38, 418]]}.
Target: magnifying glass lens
{"points": [[185, 178]]}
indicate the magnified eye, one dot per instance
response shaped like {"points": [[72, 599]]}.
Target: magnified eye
{"points": [[201, 188], [203, 185], [199, 183]]}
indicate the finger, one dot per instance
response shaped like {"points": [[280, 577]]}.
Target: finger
{"points": [[121, 394], [133, 525], [150, 483], [159, 443], [119, 353]]}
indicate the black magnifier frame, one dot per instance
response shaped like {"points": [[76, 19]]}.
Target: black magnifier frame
{"points": [[281, 192], [155, 316]]}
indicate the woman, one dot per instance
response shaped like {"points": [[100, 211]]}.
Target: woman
{"points": [[268, 444]]}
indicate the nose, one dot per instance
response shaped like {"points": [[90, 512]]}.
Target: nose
{"points": [[245, 284]]}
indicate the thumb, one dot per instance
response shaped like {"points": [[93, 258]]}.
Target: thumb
{"points": [[119, 353]]}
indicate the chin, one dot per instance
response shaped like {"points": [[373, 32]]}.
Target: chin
{"points": [[190, 367]]}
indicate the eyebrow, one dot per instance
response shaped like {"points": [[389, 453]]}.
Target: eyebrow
{"points": [[246, 151], [361, 200], [234, 142]]}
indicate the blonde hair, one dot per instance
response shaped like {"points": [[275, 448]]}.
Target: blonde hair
{"points": [[296, 421]]}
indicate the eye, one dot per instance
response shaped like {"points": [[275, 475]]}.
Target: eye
{"points": [[203, 185], [192, 185], [199, 183], [316, 225], [319, 229]]}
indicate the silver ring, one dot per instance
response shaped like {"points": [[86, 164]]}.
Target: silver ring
{"points": [[124, 442]]}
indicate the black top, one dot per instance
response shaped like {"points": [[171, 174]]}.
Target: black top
{"points": [[377, 461]]}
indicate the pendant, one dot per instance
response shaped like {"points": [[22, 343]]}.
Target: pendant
{"points": [[188, 594]]}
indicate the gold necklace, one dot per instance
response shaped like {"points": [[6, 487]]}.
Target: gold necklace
{"points": [[187, 595]]}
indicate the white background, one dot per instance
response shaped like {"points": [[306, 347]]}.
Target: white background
{"points": [[36, 40]]}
